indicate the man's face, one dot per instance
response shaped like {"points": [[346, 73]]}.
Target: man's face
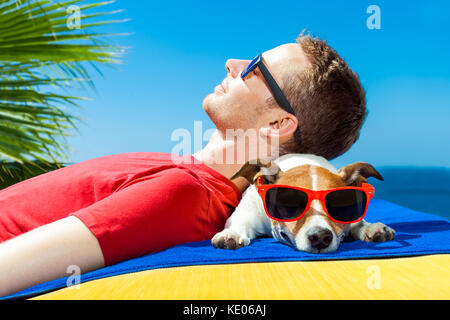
{"points": [[239, 103]]}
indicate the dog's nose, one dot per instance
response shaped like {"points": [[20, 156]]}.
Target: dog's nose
{"points": [[320, 238]]}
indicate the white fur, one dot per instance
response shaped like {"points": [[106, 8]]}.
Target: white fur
{"points": [[249, 219], [290, 161]]}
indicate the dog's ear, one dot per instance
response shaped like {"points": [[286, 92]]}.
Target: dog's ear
{"points": [[357, 173], [270, 172]]}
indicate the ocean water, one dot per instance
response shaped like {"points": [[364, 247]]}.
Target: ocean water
{"points": [[425, 189]]}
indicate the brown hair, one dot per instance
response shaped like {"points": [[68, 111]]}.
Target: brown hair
{"points": [[328, 100]]}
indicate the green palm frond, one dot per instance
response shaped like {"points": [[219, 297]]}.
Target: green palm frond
{"points": [[14, 171], [44, 51]]}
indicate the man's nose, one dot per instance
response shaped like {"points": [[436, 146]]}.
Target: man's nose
{"points": [[235, 66]]}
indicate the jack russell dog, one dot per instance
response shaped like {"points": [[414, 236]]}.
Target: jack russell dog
{"points": [[305, 202]]}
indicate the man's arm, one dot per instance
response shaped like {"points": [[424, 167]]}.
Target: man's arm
{"points": [[43, 254]]}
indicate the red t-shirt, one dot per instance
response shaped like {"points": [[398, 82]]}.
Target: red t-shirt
{"points": [[134, 203]]}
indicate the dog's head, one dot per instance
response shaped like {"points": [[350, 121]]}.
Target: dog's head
{"points": [[314, 232]]}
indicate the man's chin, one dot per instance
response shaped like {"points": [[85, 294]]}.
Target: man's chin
{"points": [[210, 104]]}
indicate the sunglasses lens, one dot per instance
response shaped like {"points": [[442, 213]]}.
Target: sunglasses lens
{"points": [[285, 203], [346, 205], [250, 67]]}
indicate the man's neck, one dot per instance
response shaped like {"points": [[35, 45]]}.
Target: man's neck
{"points": [[214, 156]]}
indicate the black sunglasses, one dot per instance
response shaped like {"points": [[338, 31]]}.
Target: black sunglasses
{"points": [[278, 94]]}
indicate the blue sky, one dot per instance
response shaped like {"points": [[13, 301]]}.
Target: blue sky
{"points": [[177, 52]]}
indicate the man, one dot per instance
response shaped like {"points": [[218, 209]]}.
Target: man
{"points": [[299, 97]]}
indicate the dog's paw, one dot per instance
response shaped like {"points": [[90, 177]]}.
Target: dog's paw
{"points": [[377, 232], [229, 239]]}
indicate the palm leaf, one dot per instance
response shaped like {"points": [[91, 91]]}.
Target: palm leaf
{"points": [[40, 56], [12, 172]]}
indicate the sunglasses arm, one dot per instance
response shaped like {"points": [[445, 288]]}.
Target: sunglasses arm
{"points": [[369, 189]]}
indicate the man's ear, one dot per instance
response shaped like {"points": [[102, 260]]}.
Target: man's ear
{"points": [[282, 128], [357, 173], [270, 172]]}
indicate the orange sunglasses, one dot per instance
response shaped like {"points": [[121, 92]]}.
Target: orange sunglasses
{"points": [[342, 205]]}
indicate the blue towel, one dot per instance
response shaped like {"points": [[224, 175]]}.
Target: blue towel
{"points": [[417, 233]]}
